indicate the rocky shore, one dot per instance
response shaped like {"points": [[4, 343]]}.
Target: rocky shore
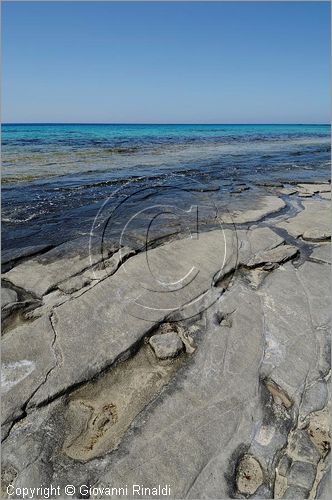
{"points": [[202, 364]]}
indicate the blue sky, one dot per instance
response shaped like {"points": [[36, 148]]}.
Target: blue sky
{"points": [[166, 62]]}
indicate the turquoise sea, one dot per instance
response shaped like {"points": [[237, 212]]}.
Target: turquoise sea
{"points": [[56, 176]]}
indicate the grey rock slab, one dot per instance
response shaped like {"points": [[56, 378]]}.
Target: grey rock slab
{"points": [[73, 284], [325, 196], [42, 273], [8, 296], [314, 398], [105, 322], [167, 345], [314, 188], [279, 255], [322, 253], [315, 280], [109, 266], [315, 216], [184, 437], [291, 349], [316, 234], [265, 205], [254, 241], [287, 191], [302, 474], [27, 359], [301, 447], [296, 493], [209, 409], [11, 255]]}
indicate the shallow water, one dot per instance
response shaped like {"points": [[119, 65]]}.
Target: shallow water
{"points": [[57, 177]]}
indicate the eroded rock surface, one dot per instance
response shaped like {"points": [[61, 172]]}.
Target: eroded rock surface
{"points": [[203, 363]]}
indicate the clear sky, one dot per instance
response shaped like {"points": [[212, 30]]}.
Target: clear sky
{"points": [[166, 62]]}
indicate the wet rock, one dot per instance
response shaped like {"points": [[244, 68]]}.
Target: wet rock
{"points": [[302, 474], [266, 205], [270, 184], [167, 345], [249, 475], [278, 255], [41, 274], [240, 189], [10, 257], [8, 296]]}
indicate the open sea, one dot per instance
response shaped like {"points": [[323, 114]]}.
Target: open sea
{"points": [[56, 177]]}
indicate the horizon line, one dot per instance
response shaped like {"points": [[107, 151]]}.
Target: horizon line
{"points": [[164, 123]]}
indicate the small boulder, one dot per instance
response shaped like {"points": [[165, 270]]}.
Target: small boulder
{"points": [[249, 475], [166, 345]]}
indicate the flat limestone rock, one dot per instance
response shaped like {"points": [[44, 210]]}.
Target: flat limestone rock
{"points": [[302, 474], [316, 235], [325, 196], [287, 191], [315, 281], [292, 347], [27, 358], [278, 255], [41, 274], [96, 328], [322, 253], [207, 407], [13, 254], [73, 284], [8, 296], [266, 205], [107, 320], [314, 188], [167, 345], [314, 217]]}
